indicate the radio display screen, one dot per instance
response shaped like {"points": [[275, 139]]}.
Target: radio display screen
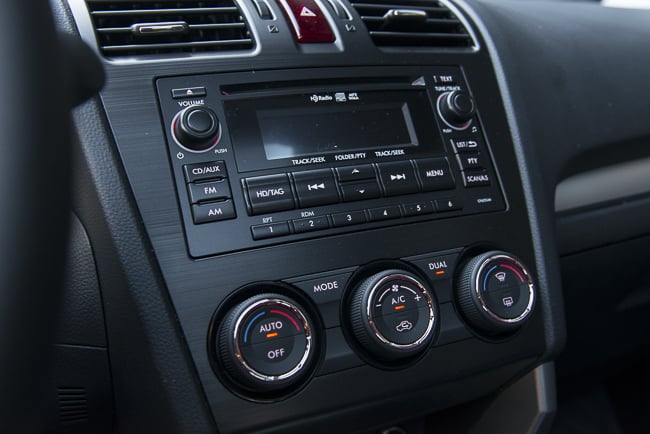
{"points": [[330, 127], [297, 132]]}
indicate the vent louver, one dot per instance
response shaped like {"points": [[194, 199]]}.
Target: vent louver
{"points": [[412, 23], [132, 28]]}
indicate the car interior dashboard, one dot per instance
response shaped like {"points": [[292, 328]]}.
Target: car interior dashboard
{"points": [[364, 216]]}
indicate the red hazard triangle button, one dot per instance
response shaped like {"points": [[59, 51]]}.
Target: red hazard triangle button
{"points": [[308, 21], [305, 12]]}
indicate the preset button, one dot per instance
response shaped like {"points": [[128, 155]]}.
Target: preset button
{"points": [[270, 230], [349, 218]]}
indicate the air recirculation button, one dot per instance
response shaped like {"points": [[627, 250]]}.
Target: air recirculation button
{"points": [[266, 343]]}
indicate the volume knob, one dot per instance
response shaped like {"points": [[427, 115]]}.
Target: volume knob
{"points": [[196, 129]]}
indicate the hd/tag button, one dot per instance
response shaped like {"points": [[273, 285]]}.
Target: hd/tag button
{"points": [[269, 193]]}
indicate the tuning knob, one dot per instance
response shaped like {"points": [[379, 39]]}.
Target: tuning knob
{"points": [[196, 128], [392, 314], [495, 293], [456, 109]]}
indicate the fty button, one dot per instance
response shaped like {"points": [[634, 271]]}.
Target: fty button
{"points": [[307, 21]]}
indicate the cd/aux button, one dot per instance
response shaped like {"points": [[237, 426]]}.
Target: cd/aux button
{"points": [[203, 171]]}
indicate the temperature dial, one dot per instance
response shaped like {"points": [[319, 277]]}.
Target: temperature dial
{"points": [[392, 315], [495, 293], [266, 342]]}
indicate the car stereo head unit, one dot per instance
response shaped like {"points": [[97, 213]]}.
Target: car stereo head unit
{"points": [[274, 160]]}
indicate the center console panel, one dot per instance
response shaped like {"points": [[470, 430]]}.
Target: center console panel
{"points": [[342, 246]]}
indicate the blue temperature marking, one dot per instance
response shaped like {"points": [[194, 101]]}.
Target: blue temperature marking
{"points": [[486, 277], [250, 323]]}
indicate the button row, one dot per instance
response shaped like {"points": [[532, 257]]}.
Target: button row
{"points": [[209, 192], [472, 160], [352, 183], [278, 229]]}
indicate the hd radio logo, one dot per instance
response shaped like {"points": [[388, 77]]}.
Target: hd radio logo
{"points": [[320, 98]]}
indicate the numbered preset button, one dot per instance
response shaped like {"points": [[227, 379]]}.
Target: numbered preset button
{"points": [[310, 224], [349, 218], [270, 230], [386, 213], [418, 208]]}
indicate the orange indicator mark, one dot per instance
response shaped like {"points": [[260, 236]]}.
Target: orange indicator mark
{"points": [[271, 335], [400, 307], [440, 273]]}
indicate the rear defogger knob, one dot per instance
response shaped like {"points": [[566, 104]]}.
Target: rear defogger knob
{"points": [[495, 293]]}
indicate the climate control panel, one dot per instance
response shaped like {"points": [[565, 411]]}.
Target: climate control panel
{"points": [[271, 338]]}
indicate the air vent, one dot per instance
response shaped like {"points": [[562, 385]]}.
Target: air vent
{"points": [[133, 28], [412, 23]]}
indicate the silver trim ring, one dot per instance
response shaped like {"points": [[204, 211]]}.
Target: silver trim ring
{"points": [[531, 289], [371, 322], [308, 336]]}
